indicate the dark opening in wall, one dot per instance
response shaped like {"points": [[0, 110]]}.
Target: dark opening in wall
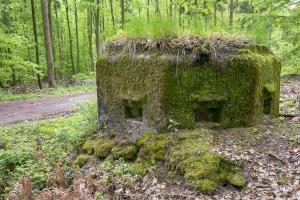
{"points": [[134, 111], [204, 114], [267, 102]]}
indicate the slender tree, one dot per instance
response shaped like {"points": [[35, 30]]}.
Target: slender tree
{"points": [[157, 8], [48, 45], [231, 10], [59, 40], [51, 28], [123, 13], [215, 12], [97, 37], [77, 39], [112, 14], [171, 8], [70, 37], [6, 21], [103, 18], [90, 37], [36, 42], [148, 11]]}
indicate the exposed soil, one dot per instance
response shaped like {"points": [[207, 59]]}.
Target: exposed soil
{"points": [[27, 110]]}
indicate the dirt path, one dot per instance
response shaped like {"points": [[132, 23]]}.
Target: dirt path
{"points": [[26, 110]]}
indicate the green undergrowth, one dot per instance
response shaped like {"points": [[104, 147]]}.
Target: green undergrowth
{"points": [[7, 95], [187, 153], [35, 149]]}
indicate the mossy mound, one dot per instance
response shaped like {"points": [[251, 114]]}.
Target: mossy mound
{"points": [[103, 147], [82, 160], [125, 150], [153, 147], [88, 146], [191, 157], [187, 153]]}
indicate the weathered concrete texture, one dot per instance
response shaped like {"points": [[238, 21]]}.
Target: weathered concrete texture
{"points": [[146, 84]]}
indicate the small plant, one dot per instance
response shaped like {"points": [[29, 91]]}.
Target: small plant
{"points": [[173, 125], [282, 180]]}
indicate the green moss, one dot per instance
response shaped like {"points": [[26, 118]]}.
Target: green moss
{"points": [[82, 159], [282, 180], [124, 150], [124, 86], [174, 90], [88, 146], [206, 186], [191, 157], [103, 147], [187, 153], [153, 147], [238, 180]]}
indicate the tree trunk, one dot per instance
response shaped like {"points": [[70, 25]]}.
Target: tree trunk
{"points": [[59, 38], [6, 22], [48, 44], [167, 8], [70, 37], [205, 15], [148, 11], [77, 40], [123, 13], [36, 42], [179, 16], [13, 75], [103, 19], [157, 8], [97, 14], [231, 10], [215, 12], [171, 8], [222, 16], [112, 14], [1, 85], [50, 24], [90, 38]]}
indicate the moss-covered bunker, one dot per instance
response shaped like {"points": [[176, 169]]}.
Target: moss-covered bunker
{"points": [[142, 84]]}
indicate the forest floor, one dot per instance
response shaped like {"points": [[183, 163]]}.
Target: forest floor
{"points": [[28, 110]]}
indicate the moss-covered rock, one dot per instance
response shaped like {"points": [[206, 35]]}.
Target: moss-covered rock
{"points": [[187, 153], [125, 150], [153, 147], [82, 160], [88, 146], [103, 147], [237, 180], [206, 186]]}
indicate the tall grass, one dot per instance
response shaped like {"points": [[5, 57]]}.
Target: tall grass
{"points": [[139, 27]]}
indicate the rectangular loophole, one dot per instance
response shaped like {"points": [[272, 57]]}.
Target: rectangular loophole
{"points": [[134, 111], [267, 106], [267, 102], [207, 114]]}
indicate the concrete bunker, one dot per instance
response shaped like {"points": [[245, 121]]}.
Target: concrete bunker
{"points": [[143, 84]]}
